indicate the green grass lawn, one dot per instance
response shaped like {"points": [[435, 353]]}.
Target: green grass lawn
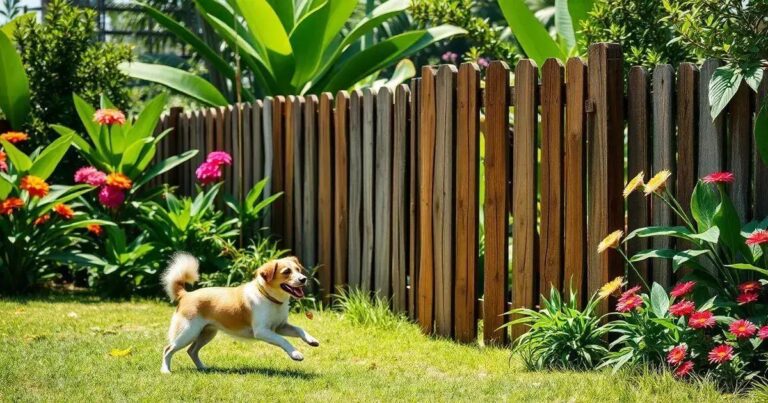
{"points": [[58, 349]]}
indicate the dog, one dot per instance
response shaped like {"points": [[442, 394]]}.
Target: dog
{"points": [[255, 310]]}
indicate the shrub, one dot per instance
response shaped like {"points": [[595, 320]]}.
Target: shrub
{"points": [[62, 56], [243, 262], [561, 336], [360, 308]]}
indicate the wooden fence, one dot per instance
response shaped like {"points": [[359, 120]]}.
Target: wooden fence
{"points": [[382, 189]]}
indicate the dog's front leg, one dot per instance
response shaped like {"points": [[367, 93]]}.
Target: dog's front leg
{"points": [[287, 329], [275, 339]]}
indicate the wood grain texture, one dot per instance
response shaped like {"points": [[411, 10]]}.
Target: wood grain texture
{"points": [[427, 122], [551, 251], [231, 127], [355, 189], [711, 136], [309, 217], [269, 156], [257, 141], [382, 251], [369, 182], [687, 120], [297, 164], [246, 151], [606, 135], [496, 201], [760, 169], [414, 199], [292, 109], [341, 190], [575, 176], [467, 210], [524, 242], [325, 195], [740, 132], [279, 210], [663, 158], [399, 267], [639, 160], [443, 194], [183, 174]]}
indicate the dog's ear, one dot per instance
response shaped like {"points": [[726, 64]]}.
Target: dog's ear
{"points": [[296, 261], [267, 272]]}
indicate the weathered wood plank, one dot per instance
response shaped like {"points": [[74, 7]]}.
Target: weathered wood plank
{"points": [[663, 158], [638, 155], [760, 172], [606, 140], [687, 118], [355, 188], [497, 196], [740, 128], [257, 142], [382, 251], [245, 167], [467, 211], [400, 234], [369, 136], [269, 155], [711, 137], [230, 134], [414, 199], [427, 122], [341, 189], [309, 217], [291, 109], [183, 174], [552, 229], [280, 207], [325, 195], [298, 173]]}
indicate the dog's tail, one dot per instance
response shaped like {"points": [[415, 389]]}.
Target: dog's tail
{"points": [[182, 269]]}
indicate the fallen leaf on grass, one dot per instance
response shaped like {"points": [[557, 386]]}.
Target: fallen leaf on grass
{"points": [[72, 315], [309, 314], [116, 352]]}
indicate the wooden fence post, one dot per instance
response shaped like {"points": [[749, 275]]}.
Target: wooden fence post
{"points": [[426, 185], [663, 158], [341, 188], [325, 195], [638, 150]]}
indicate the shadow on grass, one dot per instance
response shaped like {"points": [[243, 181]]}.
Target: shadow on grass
{"points": [[271, 372]]}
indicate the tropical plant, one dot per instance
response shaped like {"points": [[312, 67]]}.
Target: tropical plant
{"points": [[561, 336], [243, 263], [249, 211], [11, 9], [38, 229], [14, 85], [288, 47]]}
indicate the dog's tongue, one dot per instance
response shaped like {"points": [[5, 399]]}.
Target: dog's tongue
{"points": [[299, 292]]}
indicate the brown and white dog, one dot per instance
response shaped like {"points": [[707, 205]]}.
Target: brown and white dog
{"points": [[256, 310]]}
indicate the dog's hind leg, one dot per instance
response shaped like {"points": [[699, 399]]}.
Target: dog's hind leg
{"points": [[208, 333], [188, 331]]}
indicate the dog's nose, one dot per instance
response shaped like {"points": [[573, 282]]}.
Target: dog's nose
{"points": [[303, 279]]}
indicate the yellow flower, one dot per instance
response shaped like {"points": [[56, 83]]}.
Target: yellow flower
{"points": [[611, 241], [116, 352], [632, 185], [611, 287], [658, 182]]}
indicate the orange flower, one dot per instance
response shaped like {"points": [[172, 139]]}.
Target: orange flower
{"points": [[109, 117], [14, 137], [34, 185], [8, 205], [94, 229], [64, 211], [3, 164], [42, 219], [118, 180]]}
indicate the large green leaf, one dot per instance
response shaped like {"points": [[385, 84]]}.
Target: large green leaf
{"points": [[85, 111], [284, 11], [164, 166], [177, 80], [686, 257], [761, 132], [722, 87], [748, 267], [14, 85], [653, 254], [704, 202], [147, 120], [265, 25], [529, 33], [659, 300], [9, 29], [579, 11], [564, 23], [677, 231], [44, 165], [20, 161], [727, 220]]}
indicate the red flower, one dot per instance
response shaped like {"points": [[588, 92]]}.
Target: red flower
{"points": [[14, 137], [630, 291], [682, 308], [109, 117], [628, 303], [677, 354], [8, 205], [94, 229], [684, 369], [749, 287], [758, 237], [742, 329], [3, 164], [682, 289], [746, 298], [64, 211], [701, 319], [720, 354], [42, 219], [763, 333], [718, 177]]}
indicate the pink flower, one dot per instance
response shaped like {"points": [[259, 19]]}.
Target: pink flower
{"points": [[208, 172], [721, 354], [629, 303], [677, 354], [763, 333], [630, 291], [450, 57], [757, 238], [742, 329], [746, 298], [701, 320], [684, 369], [682, 308], [91, 176], [682, 289], [109, 117], [111, 196], [483, 62], [219, 158], [718, 177]]}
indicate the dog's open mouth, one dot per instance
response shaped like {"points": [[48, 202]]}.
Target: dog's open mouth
{"points": [[297, 292]]}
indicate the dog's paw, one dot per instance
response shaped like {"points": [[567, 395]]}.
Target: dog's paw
{"points": [[165, 370], [312, 341], [297, 356]]}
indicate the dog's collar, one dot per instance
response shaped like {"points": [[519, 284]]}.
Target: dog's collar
{"points": [[266, 294]]}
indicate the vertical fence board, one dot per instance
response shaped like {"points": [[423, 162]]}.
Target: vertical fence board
{"points": [[711, 139], [341, 187], [309, 217], [278, 164], [605, 210], [760, 168], [551, 252], [245, 171], [382, 251], [292, 109], [443, 193], [427, 122], [325, 194], [182, 171], [369, 132], [399, 201], [575, 176], [638, 156], [355, 188], [467, 159], [297, 161], [739, 126], [268, 141], [414, 199], [663, 158], [257, 142], [687, 86], [496, 201]]}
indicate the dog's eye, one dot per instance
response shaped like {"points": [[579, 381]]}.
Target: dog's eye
{"points": [[285, 271]]}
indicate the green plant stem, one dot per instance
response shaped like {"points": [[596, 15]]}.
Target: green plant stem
{"points": [[621, 252]]}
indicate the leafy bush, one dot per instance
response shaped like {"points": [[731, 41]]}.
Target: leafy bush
{"points": [[243, 262], [62, 56], [359, 308], [122, 266], [38, 230], [561, 336], [640, 26]]}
